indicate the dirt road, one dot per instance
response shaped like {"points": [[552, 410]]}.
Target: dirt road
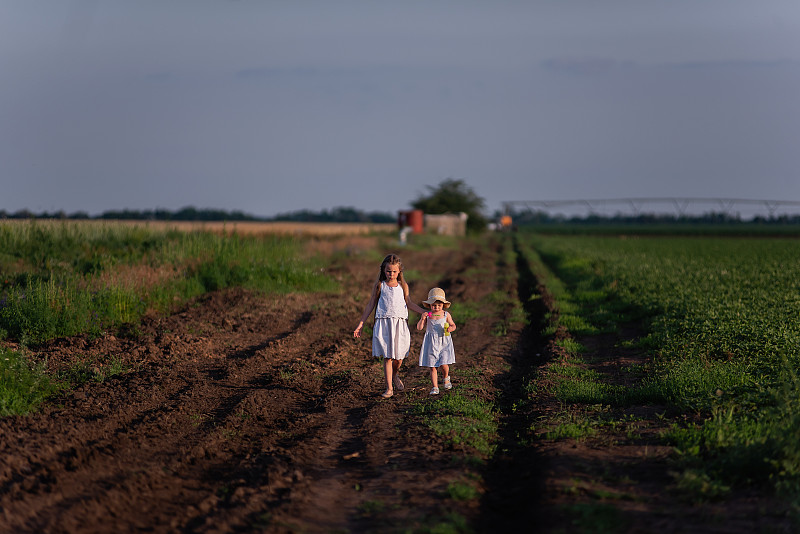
{"points": [[250, 413]]}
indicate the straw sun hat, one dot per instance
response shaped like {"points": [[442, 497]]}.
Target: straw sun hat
{"points": [[436, 294]]}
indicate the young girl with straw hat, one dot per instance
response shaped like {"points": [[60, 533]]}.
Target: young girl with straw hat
{"points": [[437, 347]]}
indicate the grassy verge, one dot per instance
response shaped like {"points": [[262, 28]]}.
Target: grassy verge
{"points": [[64, 279]]}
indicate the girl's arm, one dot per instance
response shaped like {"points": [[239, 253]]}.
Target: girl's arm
{"points": [[450, 322], [416, 307], [373, 301], [421, 322], [413, 305]]}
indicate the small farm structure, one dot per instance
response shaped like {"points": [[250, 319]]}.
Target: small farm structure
{"points": [[413, 219], [417, 222], [446, 224]]}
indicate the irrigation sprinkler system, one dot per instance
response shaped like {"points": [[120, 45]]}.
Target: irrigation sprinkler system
{"points": [[681, 206]]}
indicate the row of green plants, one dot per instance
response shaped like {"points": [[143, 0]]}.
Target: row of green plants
{"points": [[60, 279], [719, 317]]}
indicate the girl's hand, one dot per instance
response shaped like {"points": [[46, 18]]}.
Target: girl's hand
{"points": [[357, 331]]}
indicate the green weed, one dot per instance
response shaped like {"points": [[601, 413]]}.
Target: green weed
{"points": [[577, 430], [459, 491], [465, 311], [467, 422], [23, 386]]}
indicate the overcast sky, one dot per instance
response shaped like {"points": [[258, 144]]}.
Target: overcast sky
{"points": [[274, 106]]}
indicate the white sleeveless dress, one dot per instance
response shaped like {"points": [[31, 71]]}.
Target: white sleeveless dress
{"points": [[390, 335], [437, 348]]}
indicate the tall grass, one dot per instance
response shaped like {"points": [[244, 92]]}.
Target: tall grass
{"points": [[61, 279], [65, 278], [45, 246], [43, 309]]}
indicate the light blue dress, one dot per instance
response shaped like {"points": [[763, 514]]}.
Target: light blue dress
{"points": [[437, 348]]}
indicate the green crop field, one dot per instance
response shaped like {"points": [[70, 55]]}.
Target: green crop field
{"points": [[720, 318]]}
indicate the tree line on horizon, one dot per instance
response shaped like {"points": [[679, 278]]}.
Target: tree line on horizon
{"points": [[190, 213], [449, 196], [349, 214]]}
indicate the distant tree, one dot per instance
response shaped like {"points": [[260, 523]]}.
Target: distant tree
{"points": [[23, 214], [454, 196], [130, 215], [340, 214], [188, 213]]}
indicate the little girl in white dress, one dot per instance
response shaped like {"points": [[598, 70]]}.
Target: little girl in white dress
{"points": [[437, 347]]}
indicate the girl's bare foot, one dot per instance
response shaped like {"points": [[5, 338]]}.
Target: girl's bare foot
{"points": [[388, 393]]}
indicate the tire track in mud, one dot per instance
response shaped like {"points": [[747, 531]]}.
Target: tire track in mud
{"points": [[146, 451], [515, 474]]}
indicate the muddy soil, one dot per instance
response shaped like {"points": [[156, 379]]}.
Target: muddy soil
{"points": [[252, 413], [246, 412]]}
